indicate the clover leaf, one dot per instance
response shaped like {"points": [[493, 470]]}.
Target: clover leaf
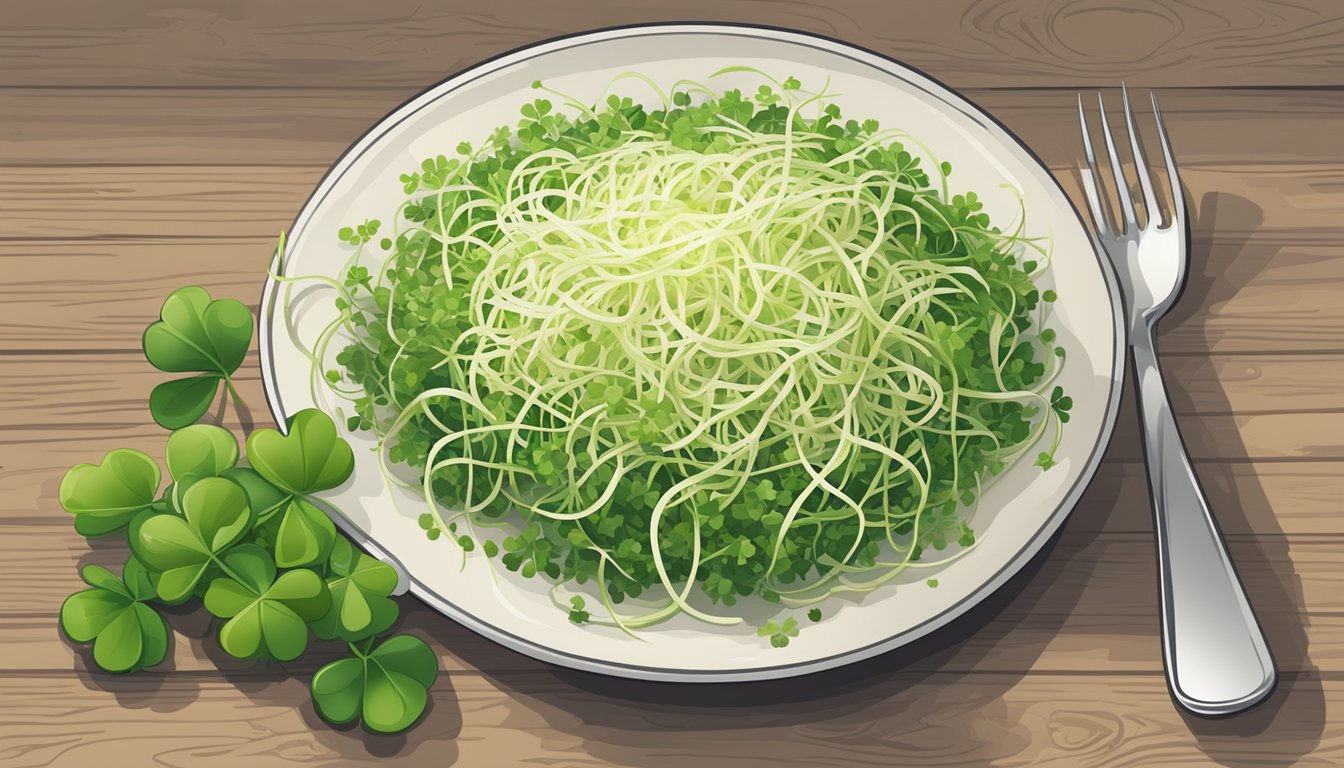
{"points": [[126, 633], [1060, 403], [262, 496], [387, 687], [179, 550], [195, 335], [361, 603], [104, 497], [267, 616], [177, 403], [202, 450], [779, 634], [304, 536], [311, 458]]}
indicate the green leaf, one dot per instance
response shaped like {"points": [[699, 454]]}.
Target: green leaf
{"points": [[361, 604], [104, 497], [194, 335], [197, 334], [311, 458], [137, 580], [126, 634], [180, 549], [177, 403], [267, 616], [338, 690], [262, 496], [203, 450], [305, 534], [388, 688]]}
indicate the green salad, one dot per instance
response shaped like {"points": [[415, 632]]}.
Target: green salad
{"points": [[674, 356]]}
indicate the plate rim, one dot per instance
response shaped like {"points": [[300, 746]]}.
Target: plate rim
{"points": [[408, 583]]}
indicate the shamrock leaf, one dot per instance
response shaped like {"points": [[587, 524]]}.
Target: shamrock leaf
{"points": [[263, 497], [215, 515], [361, 605], [577, 612], [127, 634], [195, 335], [304, 536], [312, 457], [267, 616], [202, 450], [1045, 460], [104, 497], [387, 687], [177, 403], [779, 634], [1060, 403]]}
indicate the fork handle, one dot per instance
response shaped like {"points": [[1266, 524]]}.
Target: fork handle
{"points": [[1216, 658]]}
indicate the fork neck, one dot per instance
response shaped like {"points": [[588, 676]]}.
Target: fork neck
{"points": [[1143, 334]]}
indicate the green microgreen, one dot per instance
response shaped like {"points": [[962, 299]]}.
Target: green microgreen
{"points": [[779, 633]]}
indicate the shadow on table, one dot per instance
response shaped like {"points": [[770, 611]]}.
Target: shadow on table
{"points": [[1224, 257], [943, 697], [165, 688], [940, 697], [906, 702]]}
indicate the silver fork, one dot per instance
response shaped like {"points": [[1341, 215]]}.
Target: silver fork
{"points": [[1215, 654]]}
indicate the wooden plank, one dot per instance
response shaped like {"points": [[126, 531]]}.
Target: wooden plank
{"points": [[857, 718], [171, 201], [54, 390], [308, 127], [1295, 436], [1027, 626], [60, 202], [1272, 291], [1237, 409], [1267, 499], [1044, 645], [1088, 584], [404, 44]]}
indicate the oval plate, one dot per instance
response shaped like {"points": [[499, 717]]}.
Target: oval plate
{"points": [[1016, 515]]}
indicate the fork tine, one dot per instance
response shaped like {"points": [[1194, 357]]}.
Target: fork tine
{"points": [[1091, 182], [1154, 215], [1177, 197], [1121, 186]]}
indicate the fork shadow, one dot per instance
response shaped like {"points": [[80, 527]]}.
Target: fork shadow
{"points": [[1225, 255]]}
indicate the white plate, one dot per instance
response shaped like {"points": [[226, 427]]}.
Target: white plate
{"points": [[1016, 516]]}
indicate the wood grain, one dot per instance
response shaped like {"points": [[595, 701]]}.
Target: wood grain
{"points": [[115, 202], [1108, 572], [1309, 429], [145, 145], [298, 126], [406, 44], [1090, 604], [568, 719], [1253, 293]]}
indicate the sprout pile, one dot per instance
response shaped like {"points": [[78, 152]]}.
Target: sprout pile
{"points": [[734, 345]]}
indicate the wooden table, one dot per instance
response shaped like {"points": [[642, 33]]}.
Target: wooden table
{"points": [[145, 146]]}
